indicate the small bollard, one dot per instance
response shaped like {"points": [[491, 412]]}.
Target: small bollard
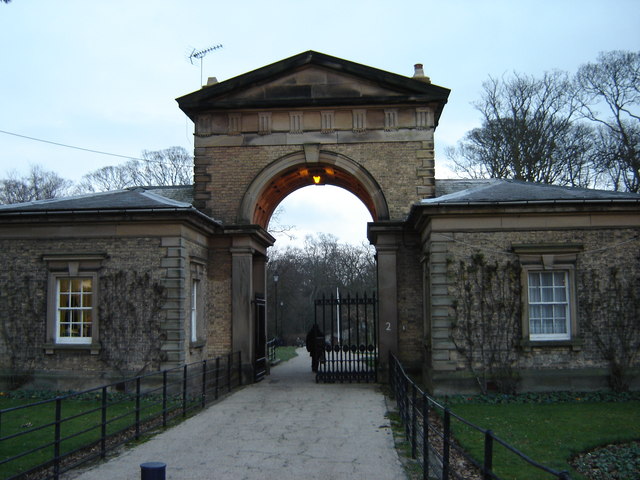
{"points": [[153, 471]]}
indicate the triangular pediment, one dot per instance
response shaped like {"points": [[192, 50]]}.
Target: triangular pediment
{"points": [[312, 79], [312, 83]]}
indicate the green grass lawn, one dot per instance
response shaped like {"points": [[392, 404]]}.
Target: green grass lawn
{"points": [[548, 433], [83, 427], [285, 353]]}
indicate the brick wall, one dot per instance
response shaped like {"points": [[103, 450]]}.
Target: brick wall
{"points": [[404, 171], [601, 249]]}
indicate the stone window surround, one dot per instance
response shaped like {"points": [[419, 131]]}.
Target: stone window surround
{"points": [[71, 266], [75, 313], [549, 258]]}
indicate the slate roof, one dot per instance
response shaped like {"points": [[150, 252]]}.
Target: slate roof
{"points": [[128, 200], [503, 191], [215, 96]]}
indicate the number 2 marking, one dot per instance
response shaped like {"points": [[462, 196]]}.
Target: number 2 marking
{"points": [[387, 326]]}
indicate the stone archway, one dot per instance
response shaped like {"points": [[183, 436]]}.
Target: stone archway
{"points": [[313, 166], [264, 134]]}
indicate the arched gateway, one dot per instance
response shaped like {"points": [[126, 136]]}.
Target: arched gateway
{"points": [[313, 119]]}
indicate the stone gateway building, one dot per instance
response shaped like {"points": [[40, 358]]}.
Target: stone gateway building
{"points": [[481, 283]]}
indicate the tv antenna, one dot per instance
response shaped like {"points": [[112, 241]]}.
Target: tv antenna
{"points": [[200, 54]]}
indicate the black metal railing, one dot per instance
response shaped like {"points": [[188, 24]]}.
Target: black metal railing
{"points": [[431, 439], [67, 431]]}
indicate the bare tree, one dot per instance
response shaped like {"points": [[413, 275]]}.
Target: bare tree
{"points": [[276, 227], [486, 326], [609, 94], [106, 179], [320, 266], [611, 317], [528, 133], [38, 184], [22, 310], [130, 322], [168, 167]]}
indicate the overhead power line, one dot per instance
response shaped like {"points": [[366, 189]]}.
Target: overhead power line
{"points": [[72, 146], [84, 149]]}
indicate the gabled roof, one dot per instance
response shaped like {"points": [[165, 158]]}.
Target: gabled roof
{"points": [[237, 92], [503, 191], [137, 198]]}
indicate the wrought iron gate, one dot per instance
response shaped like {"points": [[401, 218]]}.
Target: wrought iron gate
{"points": [[350, 332]]}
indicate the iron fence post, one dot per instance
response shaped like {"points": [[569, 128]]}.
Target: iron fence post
{"points": [[204, 383], [184, 391], [103, 427], [137, 408], [446, 444], [239, 368], [164, 399], [414, 443], [487, 465], [217, 375], [56, 440], [229, 362], [425, 437]]}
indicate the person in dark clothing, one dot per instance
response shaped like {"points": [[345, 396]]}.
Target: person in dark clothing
{"points": [[315, 346]]}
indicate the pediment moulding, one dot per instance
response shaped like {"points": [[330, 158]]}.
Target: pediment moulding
{"points": [[315, 98]]}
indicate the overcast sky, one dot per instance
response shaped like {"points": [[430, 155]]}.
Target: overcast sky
{"points": [[104, 75]]}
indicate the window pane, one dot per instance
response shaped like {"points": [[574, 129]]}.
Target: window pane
{"points": [[535, 326], [547, 311], [64, 285], [534, 294], [86, 300], [64, 301], [75, 284], [547, 294], [64, 330], [76, 300], [546, 279], [87, 285]]}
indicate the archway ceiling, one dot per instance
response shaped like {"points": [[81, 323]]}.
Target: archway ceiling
{"points": [[303, 176]]}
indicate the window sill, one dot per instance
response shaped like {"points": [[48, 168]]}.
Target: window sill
{"points": [[527, 345], [51, 348]]}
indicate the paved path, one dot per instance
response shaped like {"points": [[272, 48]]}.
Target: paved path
{"points": [[285, 427]]}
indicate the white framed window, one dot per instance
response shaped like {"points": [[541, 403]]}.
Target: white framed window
{"points": [[548, 303], [72, 301], [74, 311], [549, 294], [195, 295]]}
